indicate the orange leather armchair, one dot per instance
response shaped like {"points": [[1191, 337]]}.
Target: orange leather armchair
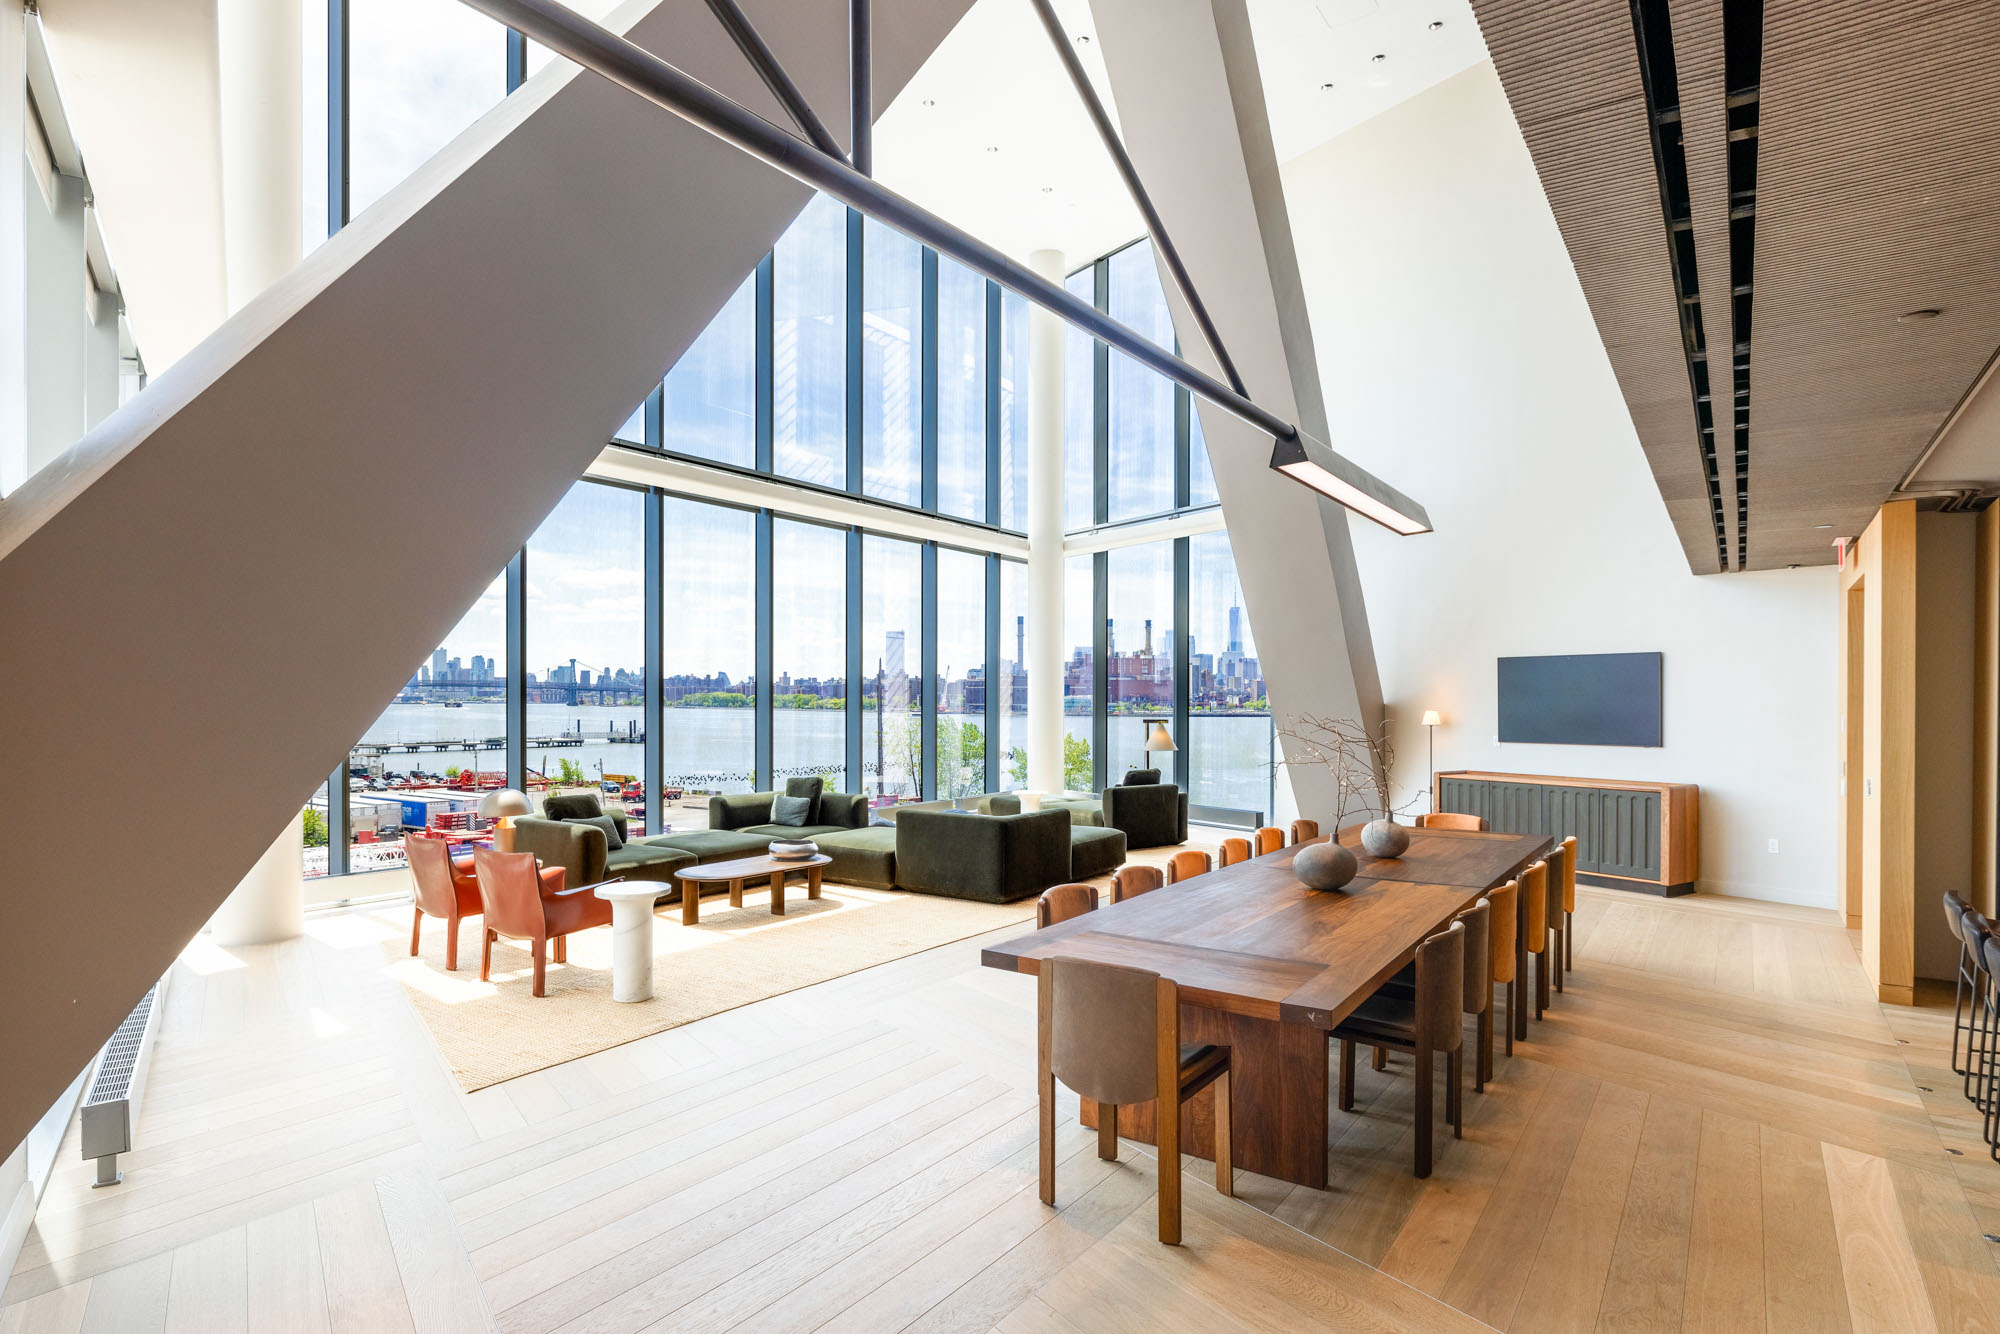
{"points": [[445, 886], [531, 904]]}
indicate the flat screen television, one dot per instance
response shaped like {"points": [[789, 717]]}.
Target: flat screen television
{"points": [[1582, 699]]}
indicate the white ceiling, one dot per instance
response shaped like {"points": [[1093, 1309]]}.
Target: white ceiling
{"points": [[991, 136]]}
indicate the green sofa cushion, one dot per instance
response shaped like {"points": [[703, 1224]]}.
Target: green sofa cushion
{"points": [[643, 861], [1082, 810], [1094, 851], [812, 831], [864, 857], [713, 845]]}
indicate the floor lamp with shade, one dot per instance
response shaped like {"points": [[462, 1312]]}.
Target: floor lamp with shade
{"points": [[1158, 738], [1432, 721]]}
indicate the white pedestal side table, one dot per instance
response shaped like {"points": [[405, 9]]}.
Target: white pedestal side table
{"points": [[631, 937]]}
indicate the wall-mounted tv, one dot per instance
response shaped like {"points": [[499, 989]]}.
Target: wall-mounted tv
{"points": [[1582, 699]]}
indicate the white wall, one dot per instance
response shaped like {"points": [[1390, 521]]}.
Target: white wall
{"points": [[1461, 363]]}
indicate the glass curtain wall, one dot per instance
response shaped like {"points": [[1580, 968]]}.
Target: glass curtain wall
{"points": [[1229, 718], [809, 346], [709, 399], [961, 673], [1139, 639], [809, 652], [1013, 675], [586, 647], [419, 71], [892, 383], [1012, 388], [708, 655], [961, 392], [1080, 395], [1079, 672], [892, 658], [1141, 461]]}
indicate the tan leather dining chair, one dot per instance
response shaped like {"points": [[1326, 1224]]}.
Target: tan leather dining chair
{"points": [[1187, 864], [1568, 959], [530, 903], [1113, 1034], [1533, 914], [1063, 902], [1423, 1021], [1235, 850], [1303, 830], [1269, 840], [1505, 930], [1131, 881], [444, 886], [1452, 820], [1561, 871]]}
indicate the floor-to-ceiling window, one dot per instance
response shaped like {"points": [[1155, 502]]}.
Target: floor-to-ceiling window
{"points": [[961, 673], [1012, 388], [1141, 461], [1080, 354], [708, 654], [809, 346], [1139, 639], [892, 656], [809, 651], [1013, 675], [961, 392], [709, 400], [586, 645], [891, 365], [419, 71], [1229, 718], [1079, 671]]}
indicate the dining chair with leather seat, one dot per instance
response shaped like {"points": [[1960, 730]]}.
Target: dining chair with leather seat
{"points": [[1478, 1000], [1302, 830], [1533, 915], [1128, 882], [1567, 960], [1235, 850], [1112, 1034], [441, 886], [1062, 902], [530, 903], [1559, 864], [1423, 1021], [1269, 840], [1187, 864], [1453, 820], [1504, 929]]}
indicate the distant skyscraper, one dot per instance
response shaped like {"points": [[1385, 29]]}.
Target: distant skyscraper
{"points": [[1021, 641], [895, 676], [437, 665], [1235, 629]]}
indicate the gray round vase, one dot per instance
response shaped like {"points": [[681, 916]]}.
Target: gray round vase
{"points": [[1384, 838], [1324, 865]]}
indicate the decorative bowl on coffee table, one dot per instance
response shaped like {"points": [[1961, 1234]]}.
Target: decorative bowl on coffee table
{"points": [[793, 849]]}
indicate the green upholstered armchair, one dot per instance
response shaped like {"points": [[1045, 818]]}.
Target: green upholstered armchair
{"points": [[1152, 815], [991, 858]]}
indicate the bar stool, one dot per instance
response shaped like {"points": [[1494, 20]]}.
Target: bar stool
{"points": [[1062, 902], [1114, 1035], [1235, 850], [1955, 908], [1187, 864], [1269, 840], [1989, 957], [1423, 1022], [1303, 830], [1131, 881], [1974, 932]]}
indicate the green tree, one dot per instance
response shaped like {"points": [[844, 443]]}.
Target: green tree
{"points": [[315, 826], [453, 771], [568, 772], [1077, 773]]}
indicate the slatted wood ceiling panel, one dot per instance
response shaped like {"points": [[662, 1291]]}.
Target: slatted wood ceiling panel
{"points": [[1878, 168], [1571, 73]]}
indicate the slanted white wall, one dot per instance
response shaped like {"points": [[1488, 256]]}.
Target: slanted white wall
{"points": [[1461, 362]]}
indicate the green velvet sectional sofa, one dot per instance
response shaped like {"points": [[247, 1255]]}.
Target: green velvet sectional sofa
{"points": [[996, 857]]}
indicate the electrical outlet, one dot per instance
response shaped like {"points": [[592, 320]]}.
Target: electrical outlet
{"points": [[1774, 845]]}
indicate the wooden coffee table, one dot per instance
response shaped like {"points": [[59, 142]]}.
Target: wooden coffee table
{"points": [[735, 874]]}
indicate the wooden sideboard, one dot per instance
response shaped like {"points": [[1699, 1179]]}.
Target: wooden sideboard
{"points": [[1641, 836]]}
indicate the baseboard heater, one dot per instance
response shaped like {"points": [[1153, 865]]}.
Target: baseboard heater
{"points": [[111, 1104]]}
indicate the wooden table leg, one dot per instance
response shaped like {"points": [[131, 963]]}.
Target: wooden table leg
{"points": [[690, 903], [777, 893], [736, 893], [812, 882], [1278, 1080]]}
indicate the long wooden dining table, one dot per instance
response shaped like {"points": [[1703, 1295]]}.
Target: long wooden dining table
{"points": [[1269, 967]]}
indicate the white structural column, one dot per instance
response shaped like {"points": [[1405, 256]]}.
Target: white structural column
{"points": [[1191, 103], [1045, 537], [258, 42], [261, 57], [13, 247]]}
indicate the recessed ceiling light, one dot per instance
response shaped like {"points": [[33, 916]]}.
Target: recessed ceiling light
{"points": [[1434, 25], [1378, 57], [1326, 87], [1912, 316], [930, 101], [992, 148], [1083, 39], [1048, 189]]}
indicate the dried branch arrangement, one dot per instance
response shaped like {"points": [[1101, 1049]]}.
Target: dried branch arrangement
{"points": [[1361, 761]]}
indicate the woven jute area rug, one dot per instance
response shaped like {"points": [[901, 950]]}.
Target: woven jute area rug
{"points": [[490, 1031]]}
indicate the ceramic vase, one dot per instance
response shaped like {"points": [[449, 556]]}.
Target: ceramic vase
{"points": [[1324, 865], [1384, 838]]}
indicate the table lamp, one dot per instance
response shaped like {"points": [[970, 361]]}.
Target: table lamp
{"points": [[1433, 721], [501, 806]]}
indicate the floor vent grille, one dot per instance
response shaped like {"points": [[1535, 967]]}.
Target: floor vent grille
{"points": [[111, 1104]]}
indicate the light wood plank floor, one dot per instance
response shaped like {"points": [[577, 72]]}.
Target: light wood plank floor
{"points": [[1717, 1127]]}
